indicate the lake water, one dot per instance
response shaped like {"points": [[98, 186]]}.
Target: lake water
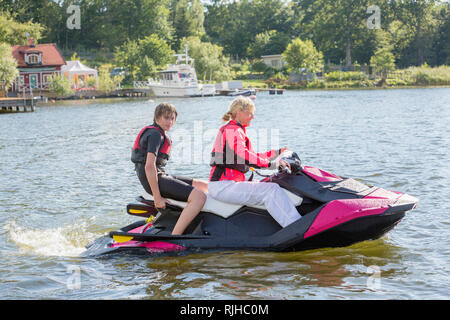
{"points": [[66, 177]]}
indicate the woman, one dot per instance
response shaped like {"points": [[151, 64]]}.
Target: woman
{"points": [[150, 153], [232, 156]]}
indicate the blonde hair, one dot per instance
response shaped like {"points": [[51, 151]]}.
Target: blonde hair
{"points": [[239, 104]]}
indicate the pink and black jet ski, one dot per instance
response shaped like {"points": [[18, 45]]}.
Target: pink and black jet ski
{"points": [[336, 211]]}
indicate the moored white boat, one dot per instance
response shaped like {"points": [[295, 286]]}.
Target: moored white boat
{"points": [[180, 80]]}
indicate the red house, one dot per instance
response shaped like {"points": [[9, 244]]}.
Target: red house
{"points": [[36, 64]]}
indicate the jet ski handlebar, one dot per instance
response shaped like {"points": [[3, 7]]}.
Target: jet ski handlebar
{"points": [[293, 160]]}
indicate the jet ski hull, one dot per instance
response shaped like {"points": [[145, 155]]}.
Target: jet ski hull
{"points": [[292, 238]]}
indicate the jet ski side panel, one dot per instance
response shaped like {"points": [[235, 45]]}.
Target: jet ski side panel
{"points": [[340, 211], [290, 236], [246, 222], [353, 231]]}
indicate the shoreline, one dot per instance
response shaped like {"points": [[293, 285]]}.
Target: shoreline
{"points": [[151, 97], [368, 88]]}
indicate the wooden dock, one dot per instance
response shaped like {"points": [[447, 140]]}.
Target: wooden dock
{"points": [[249, 91], [271, 90], [9, 105]]}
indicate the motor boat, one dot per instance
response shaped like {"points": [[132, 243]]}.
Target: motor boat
{"points": [[336, 211], [180, 80], [245, 93]]}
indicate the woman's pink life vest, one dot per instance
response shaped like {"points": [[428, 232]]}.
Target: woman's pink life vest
{"points": [[232, 154]]}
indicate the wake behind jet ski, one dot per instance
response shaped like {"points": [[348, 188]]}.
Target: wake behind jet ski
{"points": [[336, 211]]}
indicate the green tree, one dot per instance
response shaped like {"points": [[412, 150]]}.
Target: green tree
{"points": [[181, 20], [52, 16], [441, 43], [8, 66], [106, 24], [24, 10], [268, 42], [383, 60], [142, 58], [234, 25], [46, 13], [196, 19], [14, 32], [303, 54], [337, 27], [188, 20], [209, 59], [417, 18]]}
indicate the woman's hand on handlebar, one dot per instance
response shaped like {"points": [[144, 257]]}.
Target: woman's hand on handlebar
{"points": [[284, 164]]}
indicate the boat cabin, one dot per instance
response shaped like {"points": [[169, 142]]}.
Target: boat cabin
{"points": [[179, 75]]}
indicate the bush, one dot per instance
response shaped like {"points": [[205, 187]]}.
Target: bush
{"points": [[422, 78], [316, 84], [91, 82], [432, 76], [106, 83], [424, 75], [60, 86], [236, 67], [303, 55], [277, 80], [345, 76], [258, 66], [396, 82]]}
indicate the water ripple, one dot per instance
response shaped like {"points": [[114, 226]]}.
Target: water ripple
{"points": [[66, 179]]}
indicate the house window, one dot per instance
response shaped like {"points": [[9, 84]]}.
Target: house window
{"points": [[33, 59], [46, 78]]}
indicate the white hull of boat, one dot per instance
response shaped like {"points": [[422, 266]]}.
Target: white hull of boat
{"points": [[170, 91]]}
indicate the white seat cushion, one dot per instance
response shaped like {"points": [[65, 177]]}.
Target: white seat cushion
{"points": [[223, 209]]}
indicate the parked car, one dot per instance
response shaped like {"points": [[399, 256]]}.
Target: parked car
{"points": [[119, 71]]}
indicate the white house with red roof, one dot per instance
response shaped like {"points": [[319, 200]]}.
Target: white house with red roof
{"points": [[37, 63]]}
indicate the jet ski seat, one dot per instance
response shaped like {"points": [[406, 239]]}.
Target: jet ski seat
{"points": [[223, 209]]}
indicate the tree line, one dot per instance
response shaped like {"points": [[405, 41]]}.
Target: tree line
{"points": [[143, 34]]}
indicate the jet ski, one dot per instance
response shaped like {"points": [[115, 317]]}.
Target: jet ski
{"points": [[336, 211]]}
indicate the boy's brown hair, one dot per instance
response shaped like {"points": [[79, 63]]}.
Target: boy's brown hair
{"points": [[165, 109]]}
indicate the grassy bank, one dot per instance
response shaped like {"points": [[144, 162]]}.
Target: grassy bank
{"points": [[410, 77], [423, 76], [255, 84]]}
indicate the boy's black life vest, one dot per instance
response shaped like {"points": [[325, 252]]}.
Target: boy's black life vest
{"points": [[139, 151]]}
